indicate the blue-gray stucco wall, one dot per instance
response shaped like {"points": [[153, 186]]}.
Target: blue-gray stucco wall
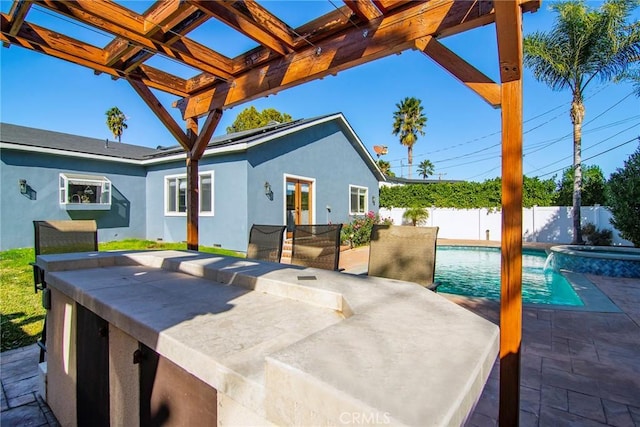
{"points": [[126, 219], [322, 153], [227, 227]]}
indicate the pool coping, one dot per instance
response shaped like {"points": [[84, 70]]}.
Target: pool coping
{"points": [[592, 297]]}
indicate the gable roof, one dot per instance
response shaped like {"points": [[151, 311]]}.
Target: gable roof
{"points": [[49, 142], [241, 138]]}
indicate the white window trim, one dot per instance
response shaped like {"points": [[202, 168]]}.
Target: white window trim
{"points": [[366, 200], [84, 179], [167, 178]]}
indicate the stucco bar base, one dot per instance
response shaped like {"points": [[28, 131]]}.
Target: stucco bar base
{"points": [[280, 344]]}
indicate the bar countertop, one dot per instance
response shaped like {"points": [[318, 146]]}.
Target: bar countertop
{"points": [[294, 345]]}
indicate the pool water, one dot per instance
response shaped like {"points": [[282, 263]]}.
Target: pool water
{"points": [[475, 271]]}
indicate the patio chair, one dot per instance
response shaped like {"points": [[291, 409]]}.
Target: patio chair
{"points": [[265, 242], [404, 253], [56, 237], [316, 246]]}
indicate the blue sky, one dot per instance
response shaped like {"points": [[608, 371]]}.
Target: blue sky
{"points": [[462, 134]]}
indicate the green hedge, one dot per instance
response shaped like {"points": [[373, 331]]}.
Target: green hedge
{"points": [[465, 195]]}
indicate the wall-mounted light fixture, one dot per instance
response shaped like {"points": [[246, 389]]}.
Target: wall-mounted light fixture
{"points": [[267, 190], [23, 186], [373, 200]]}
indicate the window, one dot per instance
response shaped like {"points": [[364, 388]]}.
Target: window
{"points": [[358, 200], [84, 191], [176, 194]]}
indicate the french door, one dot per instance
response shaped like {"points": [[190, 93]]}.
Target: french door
{"points": [[299, 203]]}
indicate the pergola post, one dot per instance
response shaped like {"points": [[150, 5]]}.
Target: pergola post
{"points": [[198, 142], [511, 270], [193, 190], [193, 203], [509, 31]]}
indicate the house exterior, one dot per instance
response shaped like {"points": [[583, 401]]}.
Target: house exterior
{"points": [[307, 171]]}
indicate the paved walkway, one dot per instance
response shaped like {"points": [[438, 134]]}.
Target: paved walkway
{"points": [[578, 368], [21, 404]]}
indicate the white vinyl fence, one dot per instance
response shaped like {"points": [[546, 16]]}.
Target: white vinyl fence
{"points": [[539, 224]]}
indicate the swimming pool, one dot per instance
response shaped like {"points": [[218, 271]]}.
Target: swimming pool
{"points": [[475, 271]]}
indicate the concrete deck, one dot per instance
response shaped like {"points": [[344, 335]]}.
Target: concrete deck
{"points": [[578, 368]]}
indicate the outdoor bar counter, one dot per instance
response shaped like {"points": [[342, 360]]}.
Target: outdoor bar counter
{"points": [[186, 338]]}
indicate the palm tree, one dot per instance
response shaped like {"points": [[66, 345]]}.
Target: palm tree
{"points": [[385, 167], [116, 122], [416, 215], [583, 45], [408, 121], [425, 169], [633, 76]]}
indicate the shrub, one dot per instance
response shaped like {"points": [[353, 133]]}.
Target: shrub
{"points": [[624, 199], [464, 195], [358, 231], [595, 237]]}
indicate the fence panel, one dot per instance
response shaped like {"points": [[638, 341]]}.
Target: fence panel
{"points": [[548, 224]]}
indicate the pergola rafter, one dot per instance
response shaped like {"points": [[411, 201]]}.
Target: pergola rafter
{"points": [[355, 33]]}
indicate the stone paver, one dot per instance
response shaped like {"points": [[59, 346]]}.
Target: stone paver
{"points": [[21, 406], [29, 414], [590, 362]]}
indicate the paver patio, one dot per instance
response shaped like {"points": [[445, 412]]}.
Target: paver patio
{"points": [[578, 368]]}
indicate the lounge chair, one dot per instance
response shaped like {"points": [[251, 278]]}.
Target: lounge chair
{"points": [[316, 246], [56, 237], [404, 253], [265, 242]]}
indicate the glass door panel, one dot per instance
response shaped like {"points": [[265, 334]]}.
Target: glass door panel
{"points": [[305, 203], [299, 203], [291, 205]]}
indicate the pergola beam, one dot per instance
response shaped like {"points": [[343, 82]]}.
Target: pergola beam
{"points": [[350, 48], [17, 14], [33, 37], [462, 70], [156, 106], [104, 14], [178, 22], [508, 27], [364, 9], [205, 134], [252, 20], [387, 5]]}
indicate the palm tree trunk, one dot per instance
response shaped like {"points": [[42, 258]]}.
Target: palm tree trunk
{"points": [[577, 115], [410, 158]]}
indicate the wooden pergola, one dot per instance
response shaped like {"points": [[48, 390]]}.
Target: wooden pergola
{"points": [[357, 32]]}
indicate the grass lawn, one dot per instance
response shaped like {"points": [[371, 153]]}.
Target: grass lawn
{"points": [[21, 312]]}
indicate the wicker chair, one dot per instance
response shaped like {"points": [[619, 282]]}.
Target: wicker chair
{"points": [[265, 242], [316, 246], [404, 253], [56, 237]]}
